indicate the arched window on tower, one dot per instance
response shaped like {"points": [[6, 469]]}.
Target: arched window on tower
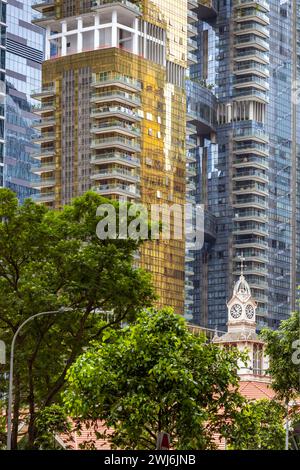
{"points": [[257, 359]]}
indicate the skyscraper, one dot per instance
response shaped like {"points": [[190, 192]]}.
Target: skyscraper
{"points": [[2, 86], [24, 55], [248, 171], [113, 112]]}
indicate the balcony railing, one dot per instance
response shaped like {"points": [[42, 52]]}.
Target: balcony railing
{"points": [[117, 188], [112, 173], [126, 3], [116, 141], [108, 79], [114, 95], [116, 157]]}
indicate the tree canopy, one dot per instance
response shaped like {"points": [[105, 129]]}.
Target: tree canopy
{"points": [[156, 376], [283, 349], [259, 425], [53, 258]]}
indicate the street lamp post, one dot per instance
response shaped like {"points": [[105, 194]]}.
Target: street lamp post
{"points": [[11, 368]]}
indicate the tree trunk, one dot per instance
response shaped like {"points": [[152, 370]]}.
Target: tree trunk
{"points": [[32, 432]]}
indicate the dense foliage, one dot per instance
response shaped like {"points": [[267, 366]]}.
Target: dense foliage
{"points": [[50, 259], [156, 376]]}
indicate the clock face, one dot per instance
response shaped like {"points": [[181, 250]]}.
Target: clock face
{"points": [[249, 311], [236, 311]]}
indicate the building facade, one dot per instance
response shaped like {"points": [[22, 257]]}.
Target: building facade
{"points": [[24, 56], [247, 172], [112, 109], [3, 15]]}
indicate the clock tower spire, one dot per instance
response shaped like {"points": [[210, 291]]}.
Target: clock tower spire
{"points": [[241, 332]]}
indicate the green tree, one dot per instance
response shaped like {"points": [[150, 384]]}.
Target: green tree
{"points": [[259, 425], [283, 349], [51, 421], [156, 376], [50, 259]]}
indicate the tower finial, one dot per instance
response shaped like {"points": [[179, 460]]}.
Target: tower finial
{"points": [[242, 263]]}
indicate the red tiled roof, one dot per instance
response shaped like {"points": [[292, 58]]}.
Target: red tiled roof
{"points": [[256, 390], [86, 437]]}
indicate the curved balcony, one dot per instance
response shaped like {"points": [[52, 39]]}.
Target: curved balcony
{"points": [[191, 30], [244, 134], [252, 174], [253, 81], [262, 4], [116, 142], [251, 255], [245, 215], [44, 18], [192, 44], [44, 137], [250, 201], [43, 168], [43, 92], [116, 174], [43, 183], [191, 59], [250, 27], [46, 152], [251, 40], [116, 127], [251, 67], [251, 242], [117, 190], [44, 197], [46, 107], [115, 111], [120, 81], [251, 95], [253, 270], [252, 14], [130, 6], [249, 229], [116, 158], [116, 96], [251, 147], [252, 55], [251, 161], [44, 123], [250, 188]]}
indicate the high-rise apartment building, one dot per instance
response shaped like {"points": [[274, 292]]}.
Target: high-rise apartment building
{"points": [[3, 7], [246, 170], [24, 56], [113, 111]]}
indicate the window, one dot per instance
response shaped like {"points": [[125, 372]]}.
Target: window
{"points": [[257, 359]]}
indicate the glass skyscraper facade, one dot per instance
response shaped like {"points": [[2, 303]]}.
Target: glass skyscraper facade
{"points": [[24, 55], [113, 113], [247, 170], [3, 14]]}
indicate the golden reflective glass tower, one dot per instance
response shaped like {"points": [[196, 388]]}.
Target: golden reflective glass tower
{"points": [[112, 109]]}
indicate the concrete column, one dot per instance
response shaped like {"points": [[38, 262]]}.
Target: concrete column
{"points": [[251, 111], [79, 35], [64, 39], [135, 40], [114, 29], [97, 32]]}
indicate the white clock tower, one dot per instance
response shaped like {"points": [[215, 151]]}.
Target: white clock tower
{"points": [[242, 330], [242, 307]]}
